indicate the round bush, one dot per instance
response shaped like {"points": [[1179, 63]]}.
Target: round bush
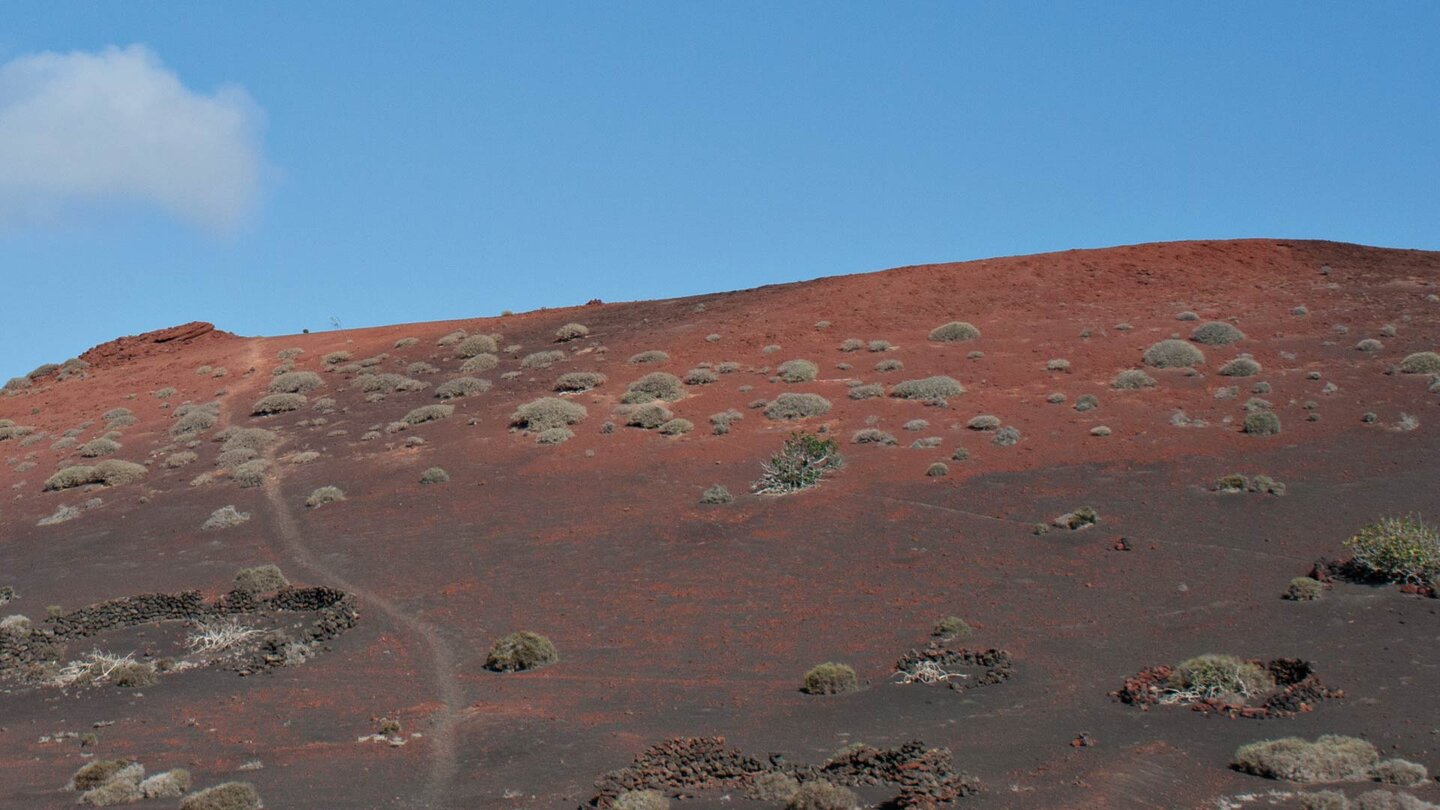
{"points": [[1397, 549], [295, 382], [1262, 423], [715, 495], [1173, 354], [579, 381], [226, 796], [1221, 676], [434, 475], [1421, 363], [676, 427], [797, 406], [1331, 758], [830, 678], [544, 359], [821, 795], [1132, 379], [548, 412], [462, 387], [521, 651], [324, 495], [1216, 333], [983, 422], [641, 800], [647, 358], [794, 371], [571, 331], [1304, 589], [1240, 367], [653, 386], [478, 363], [476, 344], [928, 389], [555, 435], [951, 627], [701, 376], [872, 436], [954, 331], [649, 417], [278, 403]]}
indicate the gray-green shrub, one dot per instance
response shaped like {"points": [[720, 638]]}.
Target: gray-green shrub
{"points": [[461, 387], [676, 427], [1216, 333], [794, 371], [700, 376], [830, 678], [1262, 423], [434, 475], [649, 416], [521, 651], [260, 579], [1421, 363], [954, 331], [870, 391], [96, 448], [1215, 675], [224, 518], [1331, 758], [1132, 379], [716, 495], [324, 495], [579, 381], [428, 413], [872, 436], [653, 386], [1399, 549], [571, 331], [110, 472], [544, 359], [797, 406], [1304, 589], [1240, 367], [478, 363], [1173, 353], [476, 344], [648, 357], [929, 389], [225, 796], [548, 412], [294, 382], [278, 403], [555, 435]]}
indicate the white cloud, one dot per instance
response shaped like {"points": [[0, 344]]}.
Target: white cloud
{"points": [[117, 126]]}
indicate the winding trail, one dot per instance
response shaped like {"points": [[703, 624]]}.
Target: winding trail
{"points": [[442, 670]]}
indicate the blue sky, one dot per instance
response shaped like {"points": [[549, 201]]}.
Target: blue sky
{"points": [[385, 163]]}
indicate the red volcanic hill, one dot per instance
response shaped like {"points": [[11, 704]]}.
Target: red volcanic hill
{"points": [[370, 681]]}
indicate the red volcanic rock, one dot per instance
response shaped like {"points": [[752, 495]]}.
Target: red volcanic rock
{"points": [[125, 349]]}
